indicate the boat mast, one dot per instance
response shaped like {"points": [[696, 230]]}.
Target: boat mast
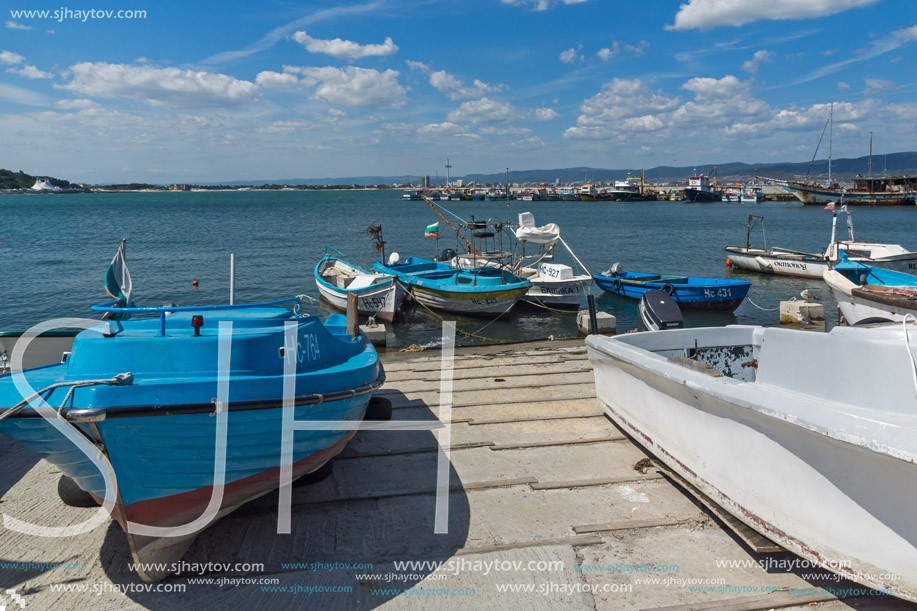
{"points": [[870, 162], [448, 167], [830, 140], [451, 226]]}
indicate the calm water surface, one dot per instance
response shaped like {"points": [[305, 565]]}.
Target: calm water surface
{"points": [[55, 249]]}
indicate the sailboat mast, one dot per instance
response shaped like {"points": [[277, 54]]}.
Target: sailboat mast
{"points": [[830, 141], [870, 160]]}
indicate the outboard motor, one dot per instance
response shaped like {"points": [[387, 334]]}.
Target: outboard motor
{"points": [[658, 311], [447, 255], [616, 269]]}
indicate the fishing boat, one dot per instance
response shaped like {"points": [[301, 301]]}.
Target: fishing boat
{"points": [[174, 421], [866, 190], [688, 292], [377, 295], [752, 194], [868, 294], [569, 194], [786, 262], [702, 188], [732, 194], [808, 438], [631, 190], [554, 285], [483, 291]]}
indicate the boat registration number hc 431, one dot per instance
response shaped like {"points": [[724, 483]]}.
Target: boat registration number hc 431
{"points": [[723, 293]]}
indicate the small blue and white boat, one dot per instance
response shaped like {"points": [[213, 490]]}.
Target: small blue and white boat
{"points": [[867, 294], [378, 295], [193, 411], [699, 293], [482, 291]]}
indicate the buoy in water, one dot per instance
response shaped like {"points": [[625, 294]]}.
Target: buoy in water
{"points": [[194, 283], [728, 262]]}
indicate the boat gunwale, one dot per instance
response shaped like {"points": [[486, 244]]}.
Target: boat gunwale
{"points": [[641, 358], [97, 414]]}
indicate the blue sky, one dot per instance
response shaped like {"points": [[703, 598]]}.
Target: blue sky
{"points": [[197, 92]]}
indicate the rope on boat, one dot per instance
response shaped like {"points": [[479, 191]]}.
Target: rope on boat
{"points": [[122, 379], [748, 299], [466, 333]]}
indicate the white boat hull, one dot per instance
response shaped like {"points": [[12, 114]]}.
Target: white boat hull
{"points": [[857, 309], [558, 294], [475, 304], [378, 300], [754, 260], [820, 492]]}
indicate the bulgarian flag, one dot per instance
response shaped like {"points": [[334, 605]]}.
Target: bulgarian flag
{"points": [[432, 231], [118, 281]]}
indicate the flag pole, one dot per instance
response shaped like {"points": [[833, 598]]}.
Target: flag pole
{"points": [[232, 278]]}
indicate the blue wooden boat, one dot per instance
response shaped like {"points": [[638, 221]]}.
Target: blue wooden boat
{"points": [[699, 293], [151, 395], [482, 291]]}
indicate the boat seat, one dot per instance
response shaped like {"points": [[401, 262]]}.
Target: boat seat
{"points": [[361, 282]]}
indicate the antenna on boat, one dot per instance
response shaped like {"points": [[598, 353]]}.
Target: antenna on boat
{"points": [[830, 140], [374, 231]]}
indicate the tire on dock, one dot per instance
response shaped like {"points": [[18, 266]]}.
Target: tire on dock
{"points": [[71, 494], [320, 474], [379, 408]]}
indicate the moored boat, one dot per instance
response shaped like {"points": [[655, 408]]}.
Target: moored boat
{"points": [[483, 291], [688, 292], [786, 262], [867, 294], [377, 295], [175, 421], [702, 188], [780, 429]]}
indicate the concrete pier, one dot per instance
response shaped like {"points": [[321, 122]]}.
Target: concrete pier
{"points": [[566, 511]]}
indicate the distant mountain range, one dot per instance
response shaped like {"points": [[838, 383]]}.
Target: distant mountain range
{"points": [[893, 163]]}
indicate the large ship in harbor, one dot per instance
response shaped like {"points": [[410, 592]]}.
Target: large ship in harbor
{"points": [[865, 191], [702, 188], [868, 191]]}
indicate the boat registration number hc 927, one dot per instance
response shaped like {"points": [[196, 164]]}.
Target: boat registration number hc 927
{"points": [[723, 293]]}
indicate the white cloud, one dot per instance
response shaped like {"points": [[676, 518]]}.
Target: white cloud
{"points": [[540, 5], [546, 114], [841, 85], [455, 89], [606, 54], [707, 14], [77, 104], [30, 72], [878, 85], [356, 87], [345, 49], [10, 58], [484, 110], [417, 66], [18, 26], [571, 55], [446, 127], [277, 80], [18, 95], [616, 48], [159, 86], [760, 57]]}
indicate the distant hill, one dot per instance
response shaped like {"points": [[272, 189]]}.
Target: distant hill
{"points": [[893, 163], [21, 180]]}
